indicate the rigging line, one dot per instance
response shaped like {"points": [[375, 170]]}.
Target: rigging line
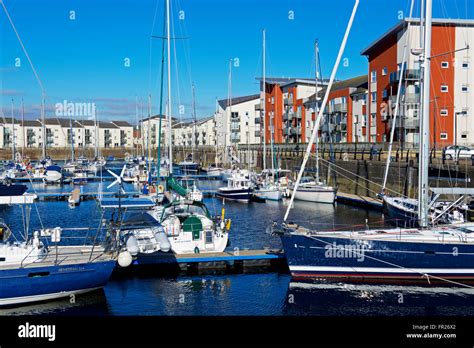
{"points": [[397, 266], [151, 47], [177, 89], [358, 176], [23, 48]]}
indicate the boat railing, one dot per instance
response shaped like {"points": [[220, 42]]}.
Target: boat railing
{"points": [[73, 248]]}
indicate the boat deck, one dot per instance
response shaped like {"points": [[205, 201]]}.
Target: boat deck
{"points": [[66, 255]]}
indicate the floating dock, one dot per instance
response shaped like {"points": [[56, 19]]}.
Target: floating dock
{"points": [[360, 201], [233, 261]]}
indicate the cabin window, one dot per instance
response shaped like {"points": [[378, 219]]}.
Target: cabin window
{"points": [[208, 237]]}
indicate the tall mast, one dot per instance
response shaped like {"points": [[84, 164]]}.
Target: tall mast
{"points": [[215, 138], [194, 125], [43, 120], [160, 114], [423, 187], [13, 135], [264, 107], [149, 134], [72, 138], [136, 120], [96, 131], [316, 68], [169, 84], [23, 127]]}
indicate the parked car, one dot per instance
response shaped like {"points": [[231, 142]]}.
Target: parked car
{"points": [[458, 151]]}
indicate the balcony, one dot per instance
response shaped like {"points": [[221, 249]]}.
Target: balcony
{"points": [[287, 131], [298, 115], [411, 123], [258, 107], [288, 101], [258, 120], [295, 131], [235, 128], [235, 139], [258, 133], [410, 74], [411, 98], [288, 116], [341, 107]]}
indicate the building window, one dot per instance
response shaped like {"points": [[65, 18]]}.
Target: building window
{"points": [[373, 97], [465, 88], [465, 65], [443, 136], [373, 76], [445, 65], [384, 71], [464, 135], [443, 112], [384, 93], [444, 88]]}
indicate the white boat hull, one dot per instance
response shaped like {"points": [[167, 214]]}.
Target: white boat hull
{"points": [[316, 195], [272, 194]]}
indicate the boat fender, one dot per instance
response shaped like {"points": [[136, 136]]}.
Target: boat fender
{"points": [[132, 245], [227, 224], [161, 189], [162, 238], [196, 250], [124, 259]]}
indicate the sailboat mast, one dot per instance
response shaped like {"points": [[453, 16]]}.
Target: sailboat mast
{"points": [[194, 126], [215, 138], [23, 128], [71, 134], [264, 108], [149, 134], [423, 188], [160, 114], [13, 136], [44, 126], [169, 85], [96, 130], [316, 67]]}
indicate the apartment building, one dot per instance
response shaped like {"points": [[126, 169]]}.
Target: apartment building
{"points": [[285, 117], [61, 132], [205, 132], [344, 118], [238, 121], [451, 99]]}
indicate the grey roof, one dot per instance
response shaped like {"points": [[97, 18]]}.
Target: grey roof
{"points": [[107, 125], [86, 122], [224, 103], [360, 90], [396, 28], [30, 123], [8, 120], [173, 119], [355, 82], [61, 122], [285, 81], [121, 123]]}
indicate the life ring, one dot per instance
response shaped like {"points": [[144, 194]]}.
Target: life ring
{"points": [[161, 189]]}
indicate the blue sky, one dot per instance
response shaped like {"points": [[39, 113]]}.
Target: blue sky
{"points": [[83, 60]]}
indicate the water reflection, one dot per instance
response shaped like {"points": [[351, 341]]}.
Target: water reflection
{"points": [[376, 300]]}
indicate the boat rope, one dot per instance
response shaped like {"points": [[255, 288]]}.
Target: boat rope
{"points": [[398, 266]]}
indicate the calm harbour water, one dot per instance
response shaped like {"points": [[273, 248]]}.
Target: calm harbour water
{"points": [[241, 294]]}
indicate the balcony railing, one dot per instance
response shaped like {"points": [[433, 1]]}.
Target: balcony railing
{"points": [[411, 98], [410, 74], [258, 120], [342, 107], [258, 107], [288, 101]]}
